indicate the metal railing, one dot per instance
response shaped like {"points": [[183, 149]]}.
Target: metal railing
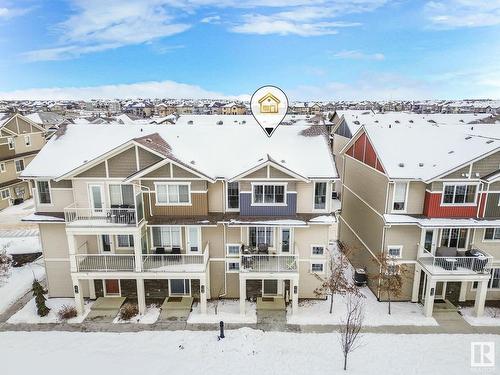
{"points": [[456, 264], [176, 262], [104, 262], [269, 263], [102, 216]]}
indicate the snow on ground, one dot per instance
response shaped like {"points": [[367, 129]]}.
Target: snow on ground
{"points": [[244, 351], [228, 311], [10, 217], [28, 313], [20, 245], [491, 316], [150, 317], [19, 282]]}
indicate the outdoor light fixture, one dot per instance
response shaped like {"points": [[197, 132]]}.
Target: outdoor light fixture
{"points": [[76, 289], [432, 292], [295, 289], [202, 289]]}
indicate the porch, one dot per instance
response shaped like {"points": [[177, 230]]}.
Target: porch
{"points": [[97, 217]]}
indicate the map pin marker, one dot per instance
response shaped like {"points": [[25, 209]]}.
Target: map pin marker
{"points": [[269, 106]]}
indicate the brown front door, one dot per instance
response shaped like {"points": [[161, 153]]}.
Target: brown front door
{"points": [[112, 287]]}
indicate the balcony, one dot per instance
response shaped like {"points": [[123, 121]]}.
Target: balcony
{"points": [[457, 264], [92, 217], [105, 263], [269, 263]]}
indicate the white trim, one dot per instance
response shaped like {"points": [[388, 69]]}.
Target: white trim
{"points": [[15, 164], [106, 294], [229, 255], [403, 211], [317, 255], [314, 209], [399, 247], [476, 193], [189, 203], [170, 294], [263, 184], [10, 141], [27, 140], [1, 194], [40, 204], [227, 196], [323, 263], [234, 261], [3, 167]]}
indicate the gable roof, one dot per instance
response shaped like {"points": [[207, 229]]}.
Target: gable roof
{"points": [[269, 96]]}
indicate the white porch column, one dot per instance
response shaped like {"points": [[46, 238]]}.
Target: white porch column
{"points": [[78, 293], [207, 283], [243, 295], [72, 251], [141, 296], [294, 286], [463, 291], [138, 252], [203, 296], [430, 291], [482, 289], [443, 292], [416, 283], [92, 289]]}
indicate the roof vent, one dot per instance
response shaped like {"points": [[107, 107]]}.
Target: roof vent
{"points": [[451, 152], [461, 120], [490, 141], [193, 162], [420, 164], [468, 137], [283, 161], [390, 126], [357, 122], [149, 140], [376, 121], [190, 122], [397, 121], [401, 165], [411, 121], [219, 122]]}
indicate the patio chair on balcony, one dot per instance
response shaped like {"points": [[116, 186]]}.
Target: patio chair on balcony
{"points": [[448, 255], [160, 251], [480, 261], [176, 251], [112, 214]]}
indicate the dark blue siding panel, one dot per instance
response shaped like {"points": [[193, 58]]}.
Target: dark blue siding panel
{"points": [[246, 208]]}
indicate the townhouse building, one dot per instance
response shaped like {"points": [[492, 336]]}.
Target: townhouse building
{"points": [[150, 212], [427, 196], [20, 141]]}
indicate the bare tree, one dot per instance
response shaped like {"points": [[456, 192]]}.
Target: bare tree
{"points": [[351, 326], [5, 263], [391, 277], [337, 279]]}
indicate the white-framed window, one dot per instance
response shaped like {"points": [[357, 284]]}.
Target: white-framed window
{"points": [[173, 194], [3, 169], [233, 196], [193, 238], [459, 194], [232, 266], [120, 195], [233, 249], [454, 237], [400, 195], [317, 250], [261, 235], [166, 236], [43, 190], [179, 287], [393, 269], [320, 195], [317, 267], [494, 282], [19, 165], [125, 240], [395, 251], [5, 194], [27, 140], [269, 194], [492, 234], [10, 142]]}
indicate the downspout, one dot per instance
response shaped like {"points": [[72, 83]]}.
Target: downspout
{"points": [[225, 273], [149, 193]]}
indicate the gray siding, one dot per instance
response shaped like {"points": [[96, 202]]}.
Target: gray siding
{"points": [[492, 208], [246, 208]]}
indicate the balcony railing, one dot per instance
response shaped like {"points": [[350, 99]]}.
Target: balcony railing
{"points": [[99, 217], [269, 263], [456, 264], [104, 262]]}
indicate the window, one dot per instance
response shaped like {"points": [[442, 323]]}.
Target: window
{"points": [[194, 236], [179, 287], [2, 168], [394, 251], [233, 266], [261, 235], [27, 140], [125, 240], [10, 142], [232, 250], [494, 282], [233, 195], [429, 234], [492, 234], [270, 287], [320, 195], [268, 194], [454, 237], [172, 194], [317, 267], [459, 194], [121, 195], [392, 269], [43, 189], [399, 200], [166, 236], [19, 165], [317, 250], [5, 193]]}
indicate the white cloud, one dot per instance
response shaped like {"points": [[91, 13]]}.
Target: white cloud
{"points": [[8, 13], [152, 89], [64, 53], [358, 55], [211, 19], [450, 14]]}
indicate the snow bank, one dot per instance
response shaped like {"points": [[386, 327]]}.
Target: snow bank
{"points": [[228, 311], [21, 245], [488, 319], [28, 313]]}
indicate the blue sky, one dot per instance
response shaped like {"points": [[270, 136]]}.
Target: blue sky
{"points": [[314, 49]]}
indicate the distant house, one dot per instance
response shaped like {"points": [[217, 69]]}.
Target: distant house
{"points": [[269, 103], [233, 109]]}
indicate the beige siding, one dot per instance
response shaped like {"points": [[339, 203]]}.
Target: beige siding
{"points": [[305, 237], [216, 197], [305, 193], [59, 278], [54, 241], [491, 247], [179, 172], [161, 172], [486, 165], [407, 236], [147, 158], [97, 171], [416, 197], [199, 206], [308, 282], [459, 173], [216, 238], [123, 164], [260, 173]]}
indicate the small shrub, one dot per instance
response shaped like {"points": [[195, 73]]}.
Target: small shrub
{"points": [[128, 311], [67, 312], [5, 263], [493, 312]]}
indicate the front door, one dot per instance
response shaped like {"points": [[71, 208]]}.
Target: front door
{"points": [[96, 193], [112, 287], [106, 243], [285, 240]]}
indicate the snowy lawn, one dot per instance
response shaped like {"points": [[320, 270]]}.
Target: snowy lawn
{"points": [[491, 316], [28, 313], [19, 282], [227, 311], [21, 245], [375, 312], [150, 317], [244, 351], [10, 218]]}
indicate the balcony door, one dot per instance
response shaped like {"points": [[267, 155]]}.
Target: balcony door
{"points": [[285, 240], [96, 193]]}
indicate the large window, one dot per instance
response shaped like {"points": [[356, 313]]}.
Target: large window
{"points": [[5, 194], [459, 194], [173, 194], [19, 165], [233, 195], [125, 240], [454, 237], [43, 189], [320, 195], [261, 235], [121, 195], [399, 200], [179, 286], [166, 236], [268, 194], [394, 251], [492, 234], [10, 142]]}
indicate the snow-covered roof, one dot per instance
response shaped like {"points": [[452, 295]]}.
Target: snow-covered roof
{"points": [[425, 222], [216, 151]]}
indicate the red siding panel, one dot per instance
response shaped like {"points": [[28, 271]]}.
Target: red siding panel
{"points": [[359, 149], [482, 204], [433, 208], [370, 156], [350, 152]]}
